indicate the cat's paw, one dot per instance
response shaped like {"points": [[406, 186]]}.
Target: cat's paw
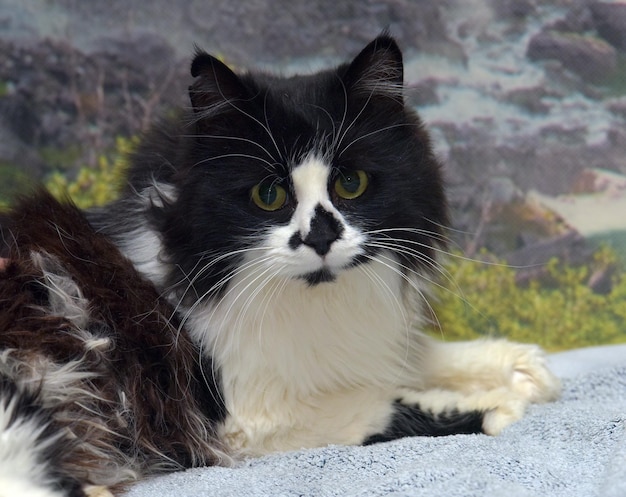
{"points": [[529, 381], [529, 376], [97, 491], [510, 408]]}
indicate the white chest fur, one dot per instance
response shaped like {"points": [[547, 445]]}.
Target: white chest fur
{"points": [[281, 346]]}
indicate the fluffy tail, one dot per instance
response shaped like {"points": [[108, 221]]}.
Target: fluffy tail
{"points": [[31, 448]]}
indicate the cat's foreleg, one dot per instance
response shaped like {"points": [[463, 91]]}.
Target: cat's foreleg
{"points": [[496, 377]]}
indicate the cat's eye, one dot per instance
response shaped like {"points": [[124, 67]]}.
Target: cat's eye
{"points": [[351, 184], [269, 196]]}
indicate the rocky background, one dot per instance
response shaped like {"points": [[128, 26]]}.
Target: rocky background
{"points": [[526, 99]]}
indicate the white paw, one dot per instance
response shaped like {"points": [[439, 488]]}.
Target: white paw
{"points": [[97, 491], [530, 377], [508, 411]]}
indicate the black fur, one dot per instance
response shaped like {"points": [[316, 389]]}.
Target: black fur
{"points": [[412, 421]]}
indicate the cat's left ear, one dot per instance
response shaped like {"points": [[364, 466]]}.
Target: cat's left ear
{"points": [[377, 71]]}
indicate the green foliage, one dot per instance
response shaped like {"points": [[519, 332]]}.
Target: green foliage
{"points": [[615, 85], [4, 88], [562, 313], [60, 158], [13, 180], [99, 185]]}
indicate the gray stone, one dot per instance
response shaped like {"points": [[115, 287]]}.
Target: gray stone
{"points": [[590, 58], [610, 22]]}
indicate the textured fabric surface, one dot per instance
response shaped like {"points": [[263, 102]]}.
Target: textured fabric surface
{"points": [[573, 447]]}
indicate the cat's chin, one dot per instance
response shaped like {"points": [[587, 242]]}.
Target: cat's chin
{"points": [[323, 275]]}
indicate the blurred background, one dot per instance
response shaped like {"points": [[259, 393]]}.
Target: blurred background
{"points": [[525, 101]]}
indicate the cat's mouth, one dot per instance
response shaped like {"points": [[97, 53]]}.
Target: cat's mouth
{"points": [[328, 274], [323, 275]]}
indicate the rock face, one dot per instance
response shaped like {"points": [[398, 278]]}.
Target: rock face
{"points": [[64, 98], [520, 95], [62, 105], [591, 58], [610, 21]]}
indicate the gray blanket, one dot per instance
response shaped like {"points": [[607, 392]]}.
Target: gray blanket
{"points": [[574, 447]]}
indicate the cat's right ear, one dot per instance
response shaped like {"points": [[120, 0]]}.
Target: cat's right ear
{"points": [[215, 84]]}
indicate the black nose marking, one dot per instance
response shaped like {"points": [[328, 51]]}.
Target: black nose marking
{"points": [[325, 229]]}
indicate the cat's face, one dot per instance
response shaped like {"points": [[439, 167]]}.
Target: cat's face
{"points": [[303, 177]]}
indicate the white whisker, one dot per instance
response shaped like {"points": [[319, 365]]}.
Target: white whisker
{"points": [[367, 135], [271, 167], [412, 284], [237, 138]]}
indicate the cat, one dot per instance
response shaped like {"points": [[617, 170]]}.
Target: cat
{"points": [[273, 250]]}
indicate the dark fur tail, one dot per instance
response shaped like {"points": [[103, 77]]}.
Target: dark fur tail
{"points": [[91, 353], [31, 447]]}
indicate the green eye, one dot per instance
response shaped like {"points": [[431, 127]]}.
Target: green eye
{"points": [[269, 196], [351, 184]]}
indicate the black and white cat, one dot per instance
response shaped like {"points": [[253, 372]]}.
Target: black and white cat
{"points": [[292, 226]]}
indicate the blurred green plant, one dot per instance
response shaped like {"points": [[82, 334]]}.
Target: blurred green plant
{"points": [[558, 312], [99, 185], [60, 158], [12, 179]]}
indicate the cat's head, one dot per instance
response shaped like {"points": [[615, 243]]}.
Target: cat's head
{"points": [[302, 177]]}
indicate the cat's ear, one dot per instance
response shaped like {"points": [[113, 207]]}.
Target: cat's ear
{"points": [[215, 84], [378, 70]]}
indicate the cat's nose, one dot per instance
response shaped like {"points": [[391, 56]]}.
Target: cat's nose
{"points": [[324, 230]]}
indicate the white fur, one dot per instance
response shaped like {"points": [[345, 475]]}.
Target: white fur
{"points": [[143, 247], [22, 466], [312, 362], [65, 298], [141, 244]]}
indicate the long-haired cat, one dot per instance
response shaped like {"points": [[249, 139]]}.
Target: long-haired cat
{"points": [[281, 237]]}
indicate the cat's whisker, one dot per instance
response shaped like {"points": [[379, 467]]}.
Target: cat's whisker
{"points": [[345, 131], [420, 275], [262, 306], [237, 138], [269, 298], [330, 118], [386, 291], [266, 128], [431, 281], [233, 289], [271, 167], [393, 299], [401, 249], [221, 283], [445, 252], [251, 280], [446, 240], [412, 284], [278, 283], [197, 274], [336, 131], [190, 311], [267, 273], [367, 135], [433, 235]]}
